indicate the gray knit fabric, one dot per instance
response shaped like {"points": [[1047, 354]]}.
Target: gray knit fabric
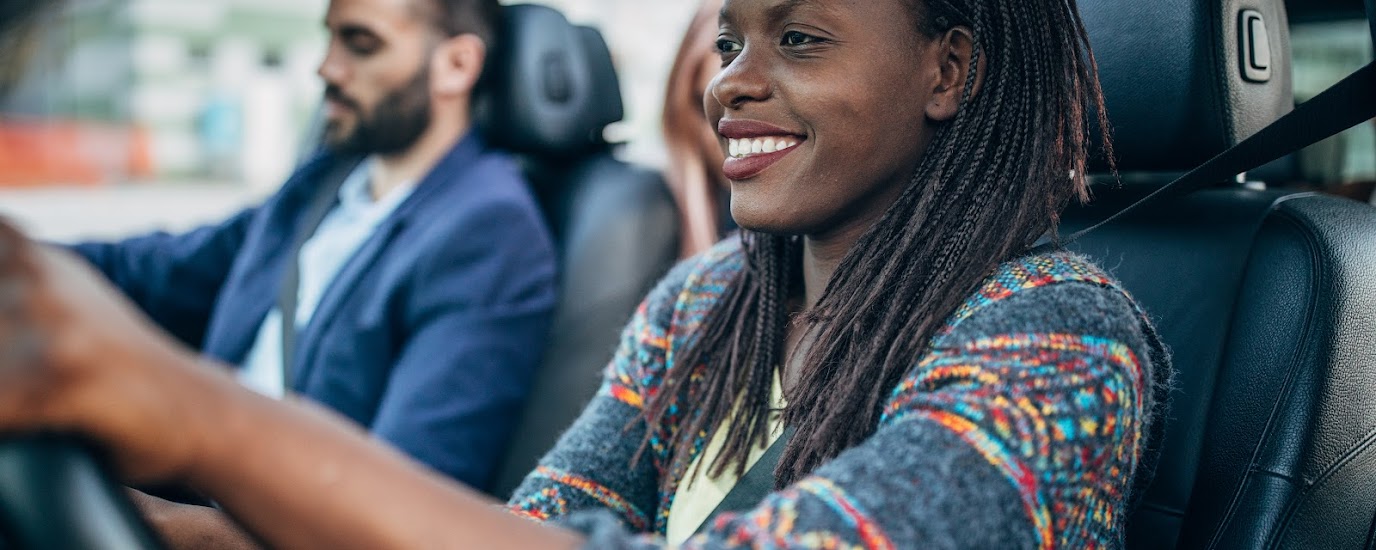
{"points": [[1023, 428]]}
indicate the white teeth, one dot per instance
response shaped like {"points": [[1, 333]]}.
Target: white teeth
{"points": [[742, 148]]}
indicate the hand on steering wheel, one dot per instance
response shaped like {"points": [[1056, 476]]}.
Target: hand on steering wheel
{"points": [[75, 356]]}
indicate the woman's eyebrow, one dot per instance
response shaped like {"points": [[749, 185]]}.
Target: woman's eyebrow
{"points": [[783, 9], [773, 13]]}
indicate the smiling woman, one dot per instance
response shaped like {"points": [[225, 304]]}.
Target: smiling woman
{"points": [[945, 384]]}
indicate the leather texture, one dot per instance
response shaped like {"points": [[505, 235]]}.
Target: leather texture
{"points": [[1267, 299], [56, 494], [1268, 302], [616, 225], [1173, 81], [547, 92]]}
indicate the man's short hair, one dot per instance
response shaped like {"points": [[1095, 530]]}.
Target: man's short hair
{"points": [[456, 17]]}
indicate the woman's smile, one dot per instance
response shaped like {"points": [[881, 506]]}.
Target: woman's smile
{"points": [[753, 146], [817, 81]]}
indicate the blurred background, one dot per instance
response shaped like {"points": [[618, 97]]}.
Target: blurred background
{"points": [[163, 114]]}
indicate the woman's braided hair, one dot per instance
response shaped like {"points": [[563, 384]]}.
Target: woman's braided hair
{"points": [[992, 182]]}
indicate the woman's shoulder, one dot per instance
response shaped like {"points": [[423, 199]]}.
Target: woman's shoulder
{"points": [[1062, 305], [1065, 302], [668, 316], [1030, 272], [695, 284], [1038, 293]]}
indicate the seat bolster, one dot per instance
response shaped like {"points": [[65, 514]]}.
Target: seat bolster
{"points": [[1293, 417], [617, 227]]}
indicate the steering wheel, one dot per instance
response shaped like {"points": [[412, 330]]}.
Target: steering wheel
{"points": [[56, 494]]}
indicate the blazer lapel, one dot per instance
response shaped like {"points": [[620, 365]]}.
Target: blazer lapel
{"points": [[340, 288], [254, 281], [450, 169]]}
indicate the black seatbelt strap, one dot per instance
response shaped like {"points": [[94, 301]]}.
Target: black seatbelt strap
{"points": [[1371, 20], [757, 482], [321, 203], [1348, 103]]}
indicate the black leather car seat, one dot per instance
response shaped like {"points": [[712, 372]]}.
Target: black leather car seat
{"points": [[1267, 298], [616, 225]]}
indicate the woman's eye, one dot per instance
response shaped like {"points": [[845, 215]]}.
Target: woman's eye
{"points": [[795, 38], [725, 46]]}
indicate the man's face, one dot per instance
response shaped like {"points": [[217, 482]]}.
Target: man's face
{"points": [[376, 75]]}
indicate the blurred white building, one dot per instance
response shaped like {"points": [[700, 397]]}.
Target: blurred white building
{"points": [[223, 91], [220, 87]]}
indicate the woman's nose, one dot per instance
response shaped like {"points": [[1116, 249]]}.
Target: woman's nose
{"points": [[742, 81]]}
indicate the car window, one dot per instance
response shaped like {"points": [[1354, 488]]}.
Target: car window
{"points": [[134, 115], [143, 114], [1323, 53]]}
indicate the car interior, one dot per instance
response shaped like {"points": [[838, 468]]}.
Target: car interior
{"points": [[1265, 295], [616, 225]]}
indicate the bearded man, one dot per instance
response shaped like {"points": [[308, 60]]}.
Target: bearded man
{"points": [[404, 277]]}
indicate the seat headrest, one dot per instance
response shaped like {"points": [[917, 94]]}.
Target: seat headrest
{"points": [[1186, 79], [607, 106], [549, 88]]}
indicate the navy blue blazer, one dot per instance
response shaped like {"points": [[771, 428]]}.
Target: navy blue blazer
{"points": [[429, 336]]}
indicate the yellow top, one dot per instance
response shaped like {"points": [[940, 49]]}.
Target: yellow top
{"points": [[699, 493]]}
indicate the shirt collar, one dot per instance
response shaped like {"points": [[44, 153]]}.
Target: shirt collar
{"points": [[357, 194], [356, 191]]}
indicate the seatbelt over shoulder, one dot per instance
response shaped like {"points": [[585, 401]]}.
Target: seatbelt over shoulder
{"points": [[1348, 103], [321, 203], [757, 482]]}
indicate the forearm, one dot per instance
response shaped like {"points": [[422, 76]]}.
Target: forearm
{"points": [[298, 477], [79, 359], [187, 527]]}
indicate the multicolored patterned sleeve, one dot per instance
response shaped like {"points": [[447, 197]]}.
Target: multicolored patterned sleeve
{"points": [[591, 468], [1021, 429]]}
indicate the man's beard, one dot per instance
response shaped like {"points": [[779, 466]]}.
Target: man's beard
{"points": [[397, 122]]}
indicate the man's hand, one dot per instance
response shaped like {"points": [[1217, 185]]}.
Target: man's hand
{"points": [[188, 527], [76, 356]]}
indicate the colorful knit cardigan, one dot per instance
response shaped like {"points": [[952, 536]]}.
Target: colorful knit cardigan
{"points": [[1024, 427]]}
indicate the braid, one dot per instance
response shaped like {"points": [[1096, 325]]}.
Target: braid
{"points": [[756, 302], [991, 182]]}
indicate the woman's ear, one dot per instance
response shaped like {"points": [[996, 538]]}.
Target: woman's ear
{"points": [[458, 62], [954, 50]]}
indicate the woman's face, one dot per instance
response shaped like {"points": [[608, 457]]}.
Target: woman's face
{"points": [[838, 90]]}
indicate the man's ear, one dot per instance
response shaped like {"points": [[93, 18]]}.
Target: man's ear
{"points": [[953, 51], [457, 64]]}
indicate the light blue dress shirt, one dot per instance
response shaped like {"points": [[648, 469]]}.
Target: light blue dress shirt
{"points": [[339, 236]]}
